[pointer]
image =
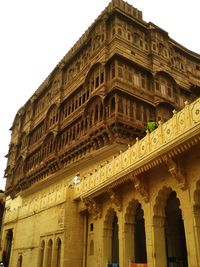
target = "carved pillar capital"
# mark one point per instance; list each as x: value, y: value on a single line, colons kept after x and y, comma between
x: 93, y: 208
x: 176, y: 171
x: 140, y: 187
x: 115, y: 199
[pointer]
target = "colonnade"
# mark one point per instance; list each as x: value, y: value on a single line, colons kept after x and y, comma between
x: 164, y: 232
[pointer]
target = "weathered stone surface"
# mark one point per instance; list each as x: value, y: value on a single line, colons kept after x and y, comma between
x: 87, y: 184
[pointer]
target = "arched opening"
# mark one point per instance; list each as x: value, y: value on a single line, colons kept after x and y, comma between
x: 169, y: 232
x: 49, y: 253
x: 111, y: 238
x: 41, y: 254
x: 8, y: 247
x: 58, y: 253
x: 135, y: 238
x: 140, y: 238
x: 115, y: 240
x: 196, y: 212
x: 175, y: 233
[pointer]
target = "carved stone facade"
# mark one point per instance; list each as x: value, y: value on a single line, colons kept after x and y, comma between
x: 83, y: 168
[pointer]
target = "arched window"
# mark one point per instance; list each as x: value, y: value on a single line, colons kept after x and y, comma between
x: 49, y: 253
x: 58, y: 252
x: 41, y: 254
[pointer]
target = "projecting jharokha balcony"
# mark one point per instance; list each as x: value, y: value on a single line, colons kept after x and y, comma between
x: 171, y: 138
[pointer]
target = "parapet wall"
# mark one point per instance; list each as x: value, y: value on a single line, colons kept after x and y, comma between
x: 168, y: 140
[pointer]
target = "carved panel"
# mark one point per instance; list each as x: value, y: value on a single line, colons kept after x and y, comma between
x: 93, y: 207
x: 115, y: 199
x: 176, y: 171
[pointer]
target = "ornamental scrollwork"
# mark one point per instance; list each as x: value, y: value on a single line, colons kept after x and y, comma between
x: 140, y: 187
x: 93, y: 208
x: 115, y: 199
x: 176, y: 171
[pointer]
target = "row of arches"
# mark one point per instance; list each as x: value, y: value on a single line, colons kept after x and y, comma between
x: 135, y: 234
x: 50, y: 253
x: 164, y: 233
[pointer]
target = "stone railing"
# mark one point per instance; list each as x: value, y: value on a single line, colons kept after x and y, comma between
x: 182, y: 124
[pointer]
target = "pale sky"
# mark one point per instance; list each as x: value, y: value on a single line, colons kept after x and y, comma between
x: 36, y: 34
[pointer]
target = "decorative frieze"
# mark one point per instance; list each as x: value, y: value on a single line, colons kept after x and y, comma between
x: 50, y: 197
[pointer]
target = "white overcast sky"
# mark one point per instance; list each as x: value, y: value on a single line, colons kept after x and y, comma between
x: 36, y: 34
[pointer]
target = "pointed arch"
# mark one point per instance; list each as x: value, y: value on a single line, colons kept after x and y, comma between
x: 169, y: 228
x: 135, y: 237
x: 52, y: 116
x: 111, y: 239
x: 49, y: 253
x: 94, y: 111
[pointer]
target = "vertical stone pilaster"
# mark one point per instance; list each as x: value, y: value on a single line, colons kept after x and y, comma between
x: 149, y: 235
x: 107, y: 245
x: 128, y: 244
x: 159, y: 246
x: 191, y: 234
x: 196, y: 217
x: 45, y: 259
x: 120, y: 236
x: 54, y: 255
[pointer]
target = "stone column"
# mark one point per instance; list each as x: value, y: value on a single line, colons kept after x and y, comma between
x: 120, y: 237
x: 128, y: 244
x: 159, y: 246
x: 196, y: 216
x: 116, y: 104
x: 191, y: 232
x: 107, y: 245
x: 40, y: 256
x: 149, y: 235
x: 54, y: 255
x: 45, y: 259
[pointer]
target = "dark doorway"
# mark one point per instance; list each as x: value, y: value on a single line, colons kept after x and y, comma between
x: 115, y: 240
x: 140, y: 238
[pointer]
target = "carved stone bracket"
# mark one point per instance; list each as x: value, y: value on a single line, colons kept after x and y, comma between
x: 115, y: 199
x: 140, y: 186
x: 93, y: 208
x: 176, y: 171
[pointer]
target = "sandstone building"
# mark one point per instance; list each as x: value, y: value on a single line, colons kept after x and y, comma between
x: 87, y: 184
